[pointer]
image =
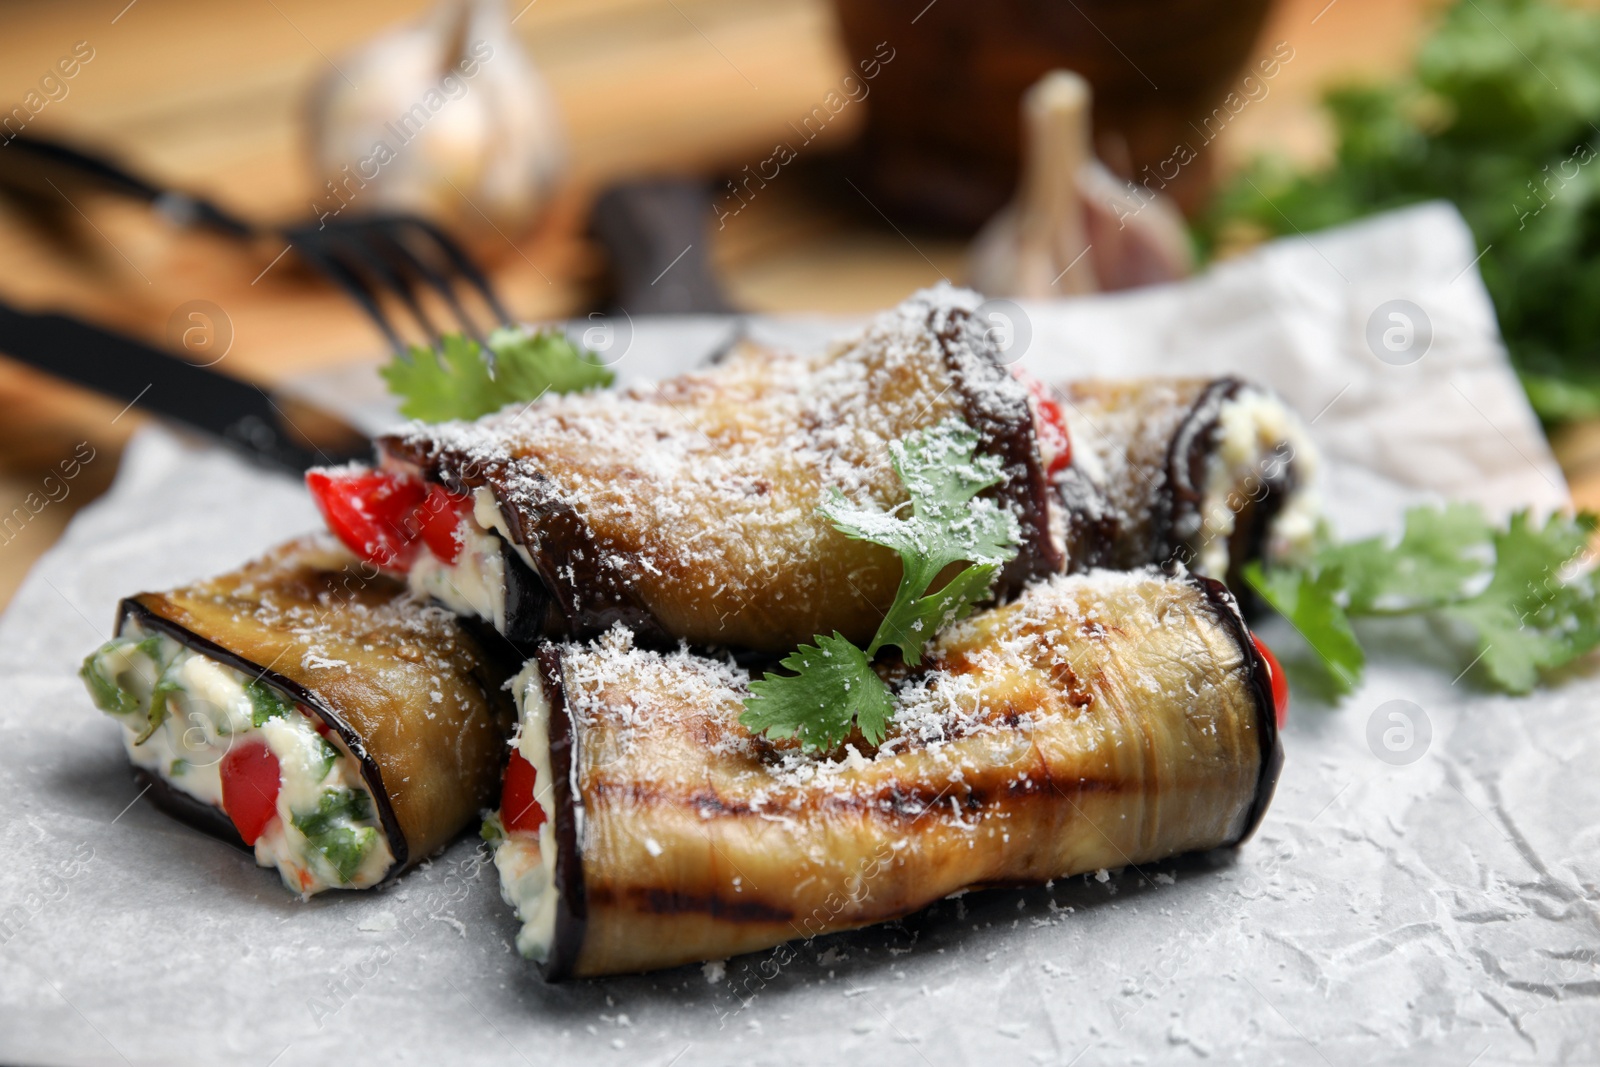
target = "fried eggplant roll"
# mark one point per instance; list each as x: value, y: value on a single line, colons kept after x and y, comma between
x: 309, y: 709
x: 1213, y: 472
x: 1097, y: 721
x: 688, y: 509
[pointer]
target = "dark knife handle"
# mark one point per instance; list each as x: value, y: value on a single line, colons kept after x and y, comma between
x: 656, y: 233
x: 235, y: 412
x: 29, y: 160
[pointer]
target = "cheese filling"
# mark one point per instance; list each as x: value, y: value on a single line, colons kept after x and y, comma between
x: 527, y: 861
x: 1258, y: 437
x: 183, y: 713
x: 475, y: 584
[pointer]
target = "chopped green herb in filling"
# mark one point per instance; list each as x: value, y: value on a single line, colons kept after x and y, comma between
x: 120, y: 672
x: 160, y: 706
x: 330, y: 755
x: 266, y: 703
x: 329, y: 831
x: 183, y: 713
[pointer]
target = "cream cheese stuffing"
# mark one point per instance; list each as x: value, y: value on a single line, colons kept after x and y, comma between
x: 526, y: 859
x: 194, y: 722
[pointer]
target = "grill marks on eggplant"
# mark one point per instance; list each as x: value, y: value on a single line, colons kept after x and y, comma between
x: 666, y: 902
x: 1098, y: 721
x: 995, y: 796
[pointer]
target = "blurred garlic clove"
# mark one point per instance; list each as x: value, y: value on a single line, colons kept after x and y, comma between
x: 1136, y: 238
x: 1037, y: 245
x: 1075, y: 227
x: 446, y: 118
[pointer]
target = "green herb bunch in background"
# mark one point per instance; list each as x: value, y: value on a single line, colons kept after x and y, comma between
x: 1501, y: 116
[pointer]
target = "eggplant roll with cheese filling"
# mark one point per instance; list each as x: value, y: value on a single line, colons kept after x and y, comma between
x: 1097, y: 721
x: 307, y: 708
x: 1213, y: 472
x: 688, y: 509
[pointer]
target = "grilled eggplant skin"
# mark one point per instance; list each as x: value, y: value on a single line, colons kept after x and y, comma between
x: 1138, y: 498
x: 1099, y: 721
x: 431, y: 765
x: 688, y: 509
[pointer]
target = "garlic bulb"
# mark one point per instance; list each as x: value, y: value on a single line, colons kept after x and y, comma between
x: 447, y: 118
x: 1075, y: 227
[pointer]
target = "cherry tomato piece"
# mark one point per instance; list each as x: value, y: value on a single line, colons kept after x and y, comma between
x: 518, y: 809
x: 1053, y: 428
x: 1280, y: 681
x: 440, y: 518
x: 250, y: 782
x: 1050, y: 423
x: 371, y: 512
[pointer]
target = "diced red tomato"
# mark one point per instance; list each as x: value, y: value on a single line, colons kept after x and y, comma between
x: 370, y: 511
x: 518, y: 809
x: 250, y: 782
x: 1280, y: 681
x: 1050, y: 422
x: 440, y: 519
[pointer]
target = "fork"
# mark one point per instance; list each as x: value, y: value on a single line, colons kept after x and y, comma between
x: 400, y: 255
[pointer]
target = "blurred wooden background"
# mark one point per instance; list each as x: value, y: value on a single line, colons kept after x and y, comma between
x: 210, y: 96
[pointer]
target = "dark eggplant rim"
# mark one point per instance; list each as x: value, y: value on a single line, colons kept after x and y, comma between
x: 572, y: 902
x: 1191, y: 446
x: 1013, y: 439
x: 188, y: 810
x: 1186, y: 471
x: 1259, y: 676
x: 132, y: 607
x: 584, y: 599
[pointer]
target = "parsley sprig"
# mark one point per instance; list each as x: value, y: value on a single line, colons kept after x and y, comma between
x: 457, y: 382
x: 1500, y: 116
x: 1517, y: 593
x: 832, y: 686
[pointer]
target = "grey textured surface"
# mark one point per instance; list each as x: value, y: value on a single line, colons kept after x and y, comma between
x: 1441, y: 911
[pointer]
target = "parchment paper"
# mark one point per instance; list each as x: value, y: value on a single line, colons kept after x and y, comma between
x: 1442, y: 910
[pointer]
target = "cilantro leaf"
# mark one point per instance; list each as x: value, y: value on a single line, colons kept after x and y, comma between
x: 911, y: 621
x: 1311, y: 604
x: 457, y: 382
x: 949, y: 523
x: 1437, y: 555
x: 1529, y: 617
x: 531, y: 362
x: 1530, y: 612
x: 833, y: 685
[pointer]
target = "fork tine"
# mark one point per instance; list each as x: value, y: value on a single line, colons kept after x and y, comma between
x: 389, y: 239
x: 462, y: 263
x: 312, y: 251
x: 364, y: 242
